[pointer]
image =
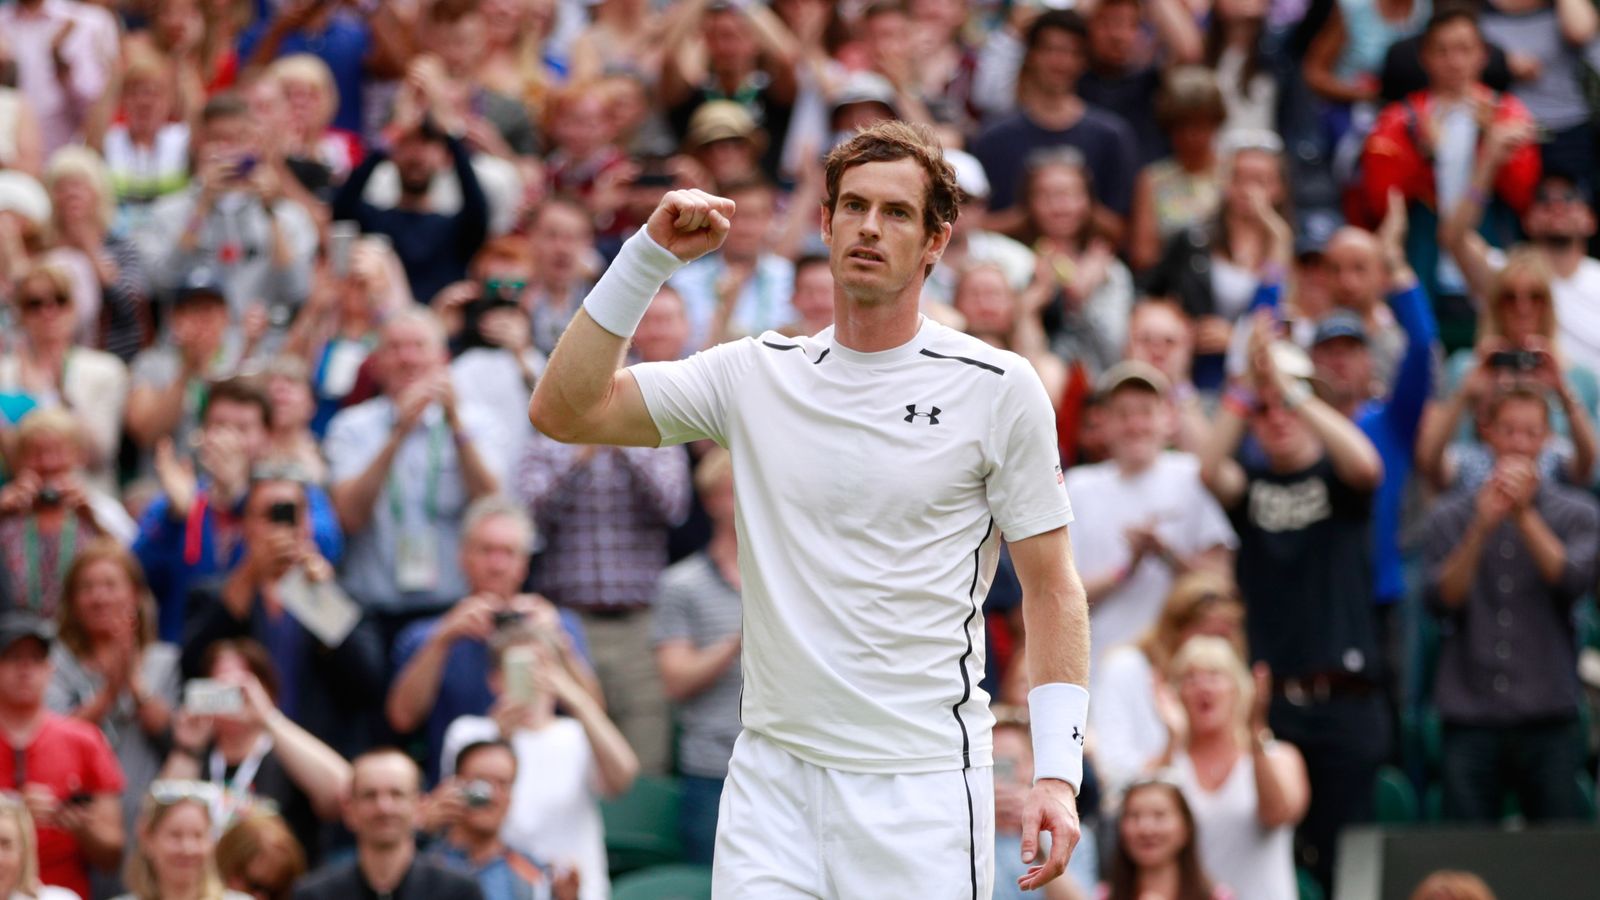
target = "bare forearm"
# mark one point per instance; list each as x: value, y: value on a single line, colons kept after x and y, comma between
x: 480, y: 480
x: 614, y: 759
x: 1057, y: 628
x: 1549, y: 554
x: 1275, y: 806
x: 417, y: 687
x: 101, y: 837
x: 1354, y: 458
x: 314, y: 767
x: 1438, y: 424
x: 580, y: 378
x: 1459, y: 569
x: 1581, y: 431
x: 686, y: 671
x: 153, y: 413
x: 354, y: 499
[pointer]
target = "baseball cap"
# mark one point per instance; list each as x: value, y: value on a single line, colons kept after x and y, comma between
x: 1341, y: 323
x: 201, y: 283
x: 22, y: 194
x: 1316, y: 229
x: 866, y: 87
x: 17, y: 624
x: 720, y: 120
x: 1131, y: 372
x: 970, y: 176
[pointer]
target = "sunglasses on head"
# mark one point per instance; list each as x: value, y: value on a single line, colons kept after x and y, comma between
x: 167, y: 792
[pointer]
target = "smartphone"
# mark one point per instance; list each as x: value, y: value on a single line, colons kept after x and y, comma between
x: 341, y: 240
x: 284, y: 514
x: 210, y: 697
x: 516, y: 667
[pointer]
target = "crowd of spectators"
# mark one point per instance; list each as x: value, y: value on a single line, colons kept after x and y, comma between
x: 294, y: 599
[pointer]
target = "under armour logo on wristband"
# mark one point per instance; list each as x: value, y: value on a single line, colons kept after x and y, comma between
x: 912, y: 414
x: 1077, y: 735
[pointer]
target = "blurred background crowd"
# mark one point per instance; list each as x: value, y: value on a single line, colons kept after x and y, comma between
x: 296, y: 600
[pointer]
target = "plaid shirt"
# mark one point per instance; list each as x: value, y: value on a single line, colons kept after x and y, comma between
x: 604, y: 522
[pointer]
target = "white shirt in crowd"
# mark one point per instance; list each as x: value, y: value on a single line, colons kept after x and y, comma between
x: 1577, y: 303
x: 555, y: 800
x: 1255, y: 863
x: 1127, y: 730
x: 873, y: 489
x: 1168, y: 496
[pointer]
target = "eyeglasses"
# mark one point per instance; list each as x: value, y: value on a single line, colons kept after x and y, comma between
x: 36, y: 303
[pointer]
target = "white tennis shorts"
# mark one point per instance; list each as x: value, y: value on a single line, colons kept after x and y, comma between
x: 788, y: 829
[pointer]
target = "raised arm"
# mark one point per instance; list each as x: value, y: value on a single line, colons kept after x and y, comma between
x: 1458, y: 231
x: 585, y: 397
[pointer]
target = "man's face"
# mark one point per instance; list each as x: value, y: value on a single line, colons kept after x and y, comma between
x: 259, y: 525
x: 888, y: 37
x: 728, y: 160
x: 1249, y: 172
x: 730, y: 49
x: 583, y: 126
x: 663, y: 333
x: 813, y: 293
x: 146, y: 101
x: 201, y: 324
x: 1137, y: 425
x: 497, y: 768
x: 24, y: 674
x: 1114, y: 35
x: 1559, y: 212
x: 1057, y: 61
x: 1279, y: 431
x: 1060, y: 204
x: 1454, y: 56
x: 383, y: 800
x: 494, y: 556
x: 1356, y: 271
x: 411, y: 353
x: 747, y: 233
x: 459, y: 43
x: 984, y: 300
x: 1158, y: 335
x: 243, y: 419
x: 877, y: 245
x: 417, y: 159
x: 230, y: 137
x: 560, y: 239
x: 1519, y: 429
x: 1346, y: 365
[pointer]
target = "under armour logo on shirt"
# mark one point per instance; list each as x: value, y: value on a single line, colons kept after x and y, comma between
x: 1077, y: 735
x: 912, y: 414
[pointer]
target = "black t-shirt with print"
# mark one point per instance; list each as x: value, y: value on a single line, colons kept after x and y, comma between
x: 1305, y: 569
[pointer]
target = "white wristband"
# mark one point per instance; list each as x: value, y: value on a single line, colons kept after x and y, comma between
x: 618, y: 301
x: 1058, y: 714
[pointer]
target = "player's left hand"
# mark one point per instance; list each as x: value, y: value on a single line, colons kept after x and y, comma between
x: 1053, y: 808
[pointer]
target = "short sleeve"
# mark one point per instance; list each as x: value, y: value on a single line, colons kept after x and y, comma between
x: 689, y: 399
x: 670, y: 618
x: 1026, y: 488
x: 347, y: 449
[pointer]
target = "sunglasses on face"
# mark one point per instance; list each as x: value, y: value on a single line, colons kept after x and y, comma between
x: 1538, y: 295
x: 36, y: 303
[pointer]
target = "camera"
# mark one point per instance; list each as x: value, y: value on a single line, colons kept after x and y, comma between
x: 283, y: 514
x: 507, y: 618
x: 48, y: 496
x: 477, y: 794
x: 495, y: 293
x: 1515, y: 360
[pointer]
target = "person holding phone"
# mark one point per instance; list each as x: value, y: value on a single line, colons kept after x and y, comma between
x: 282, y: 594
x: 233, y: 733
x: 566, y: 764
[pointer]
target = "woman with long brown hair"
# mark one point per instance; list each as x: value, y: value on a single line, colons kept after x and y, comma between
x: 1156, y: 857
x: 110, y: 670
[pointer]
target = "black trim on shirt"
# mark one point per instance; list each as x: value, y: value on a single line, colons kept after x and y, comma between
x: 968, y: 360
x: 972, y: 835
x: 780, y: 346
x: 821, y: 356
x: 966, y: 629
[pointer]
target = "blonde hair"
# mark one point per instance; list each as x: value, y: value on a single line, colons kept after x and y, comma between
x: 305, y: 68
x: 1214, y: 654
x: 1191, y: 597
x: 139, y: 876
x: 53, y: 274
x: 50, y: 422
x: 1523, y: 261
x: 1452, y: 885
x: 81, y: 162
x: 13, y: 809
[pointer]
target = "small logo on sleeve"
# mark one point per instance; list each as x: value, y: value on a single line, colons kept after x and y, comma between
x: 1061, y: 477
x: 932, y: 415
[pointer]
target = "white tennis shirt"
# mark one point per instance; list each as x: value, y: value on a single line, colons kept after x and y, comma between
x: 872, y: 493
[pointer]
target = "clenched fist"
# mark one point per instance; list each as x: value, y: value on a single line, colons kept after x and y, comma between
x: 690, y: 223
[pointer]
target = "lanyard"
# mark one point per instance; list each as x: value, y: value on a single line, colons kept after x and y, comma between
x: 67, y: 542
x: 234, y: 791
x: 430, y: 502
